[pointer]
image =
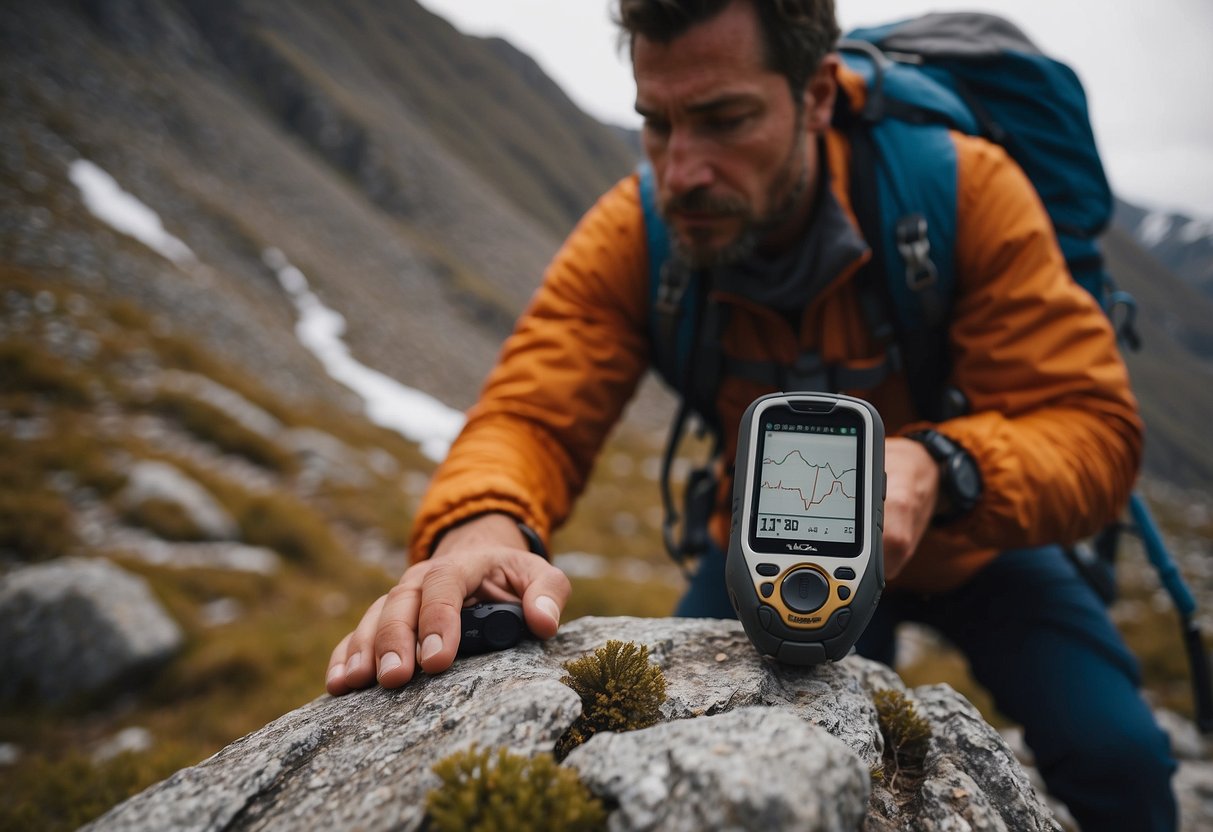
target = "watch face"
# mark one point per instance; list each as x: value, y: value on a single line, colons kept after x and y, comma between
x: 965, y: 480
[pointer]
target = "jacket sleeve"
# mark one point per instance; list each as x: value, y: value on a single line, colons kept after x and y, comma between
x: 559, y: 385
x: 1053, y: 426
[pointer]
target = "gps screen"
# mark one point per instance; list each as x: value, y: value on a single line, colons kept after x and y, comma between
x: 808, y: 483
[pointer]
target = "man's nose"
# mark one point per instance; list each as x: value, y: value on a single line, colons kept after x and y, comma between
x: 687, y: 166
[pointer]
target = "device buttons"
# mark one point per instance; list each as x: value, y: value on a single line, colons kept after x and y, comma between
x: 844, y: 573
x: 766, y: 616
x: 804, y: 590
x: 766, y: 589
x: 768, y: 570
x: 844, y: 592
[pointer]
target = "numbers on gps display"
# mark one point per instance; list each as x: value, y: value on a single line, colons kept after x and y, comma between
x: 775, y: 524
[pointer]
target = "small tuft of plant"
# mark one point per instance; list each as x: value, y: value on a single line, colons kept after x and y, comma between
x: 486, y: 792
x: 26, y: 369
x: 211, y: 424
x: 906, y: 735
x: 619, y: 689
x: 164, y: 518
x: 35, y: 524
x: 291, y: 527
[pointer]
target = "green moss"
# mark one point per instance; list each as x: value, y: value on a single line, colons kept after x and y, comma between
x: 907, y: 735
x: 483, y: 791
x: 619, y: 689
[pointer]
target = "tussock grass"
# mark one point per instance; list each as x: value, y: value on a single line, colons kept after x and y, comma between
x: 165, y: 519
x: 35, y: 525
x: 28, y: 371
x: 211, y: 424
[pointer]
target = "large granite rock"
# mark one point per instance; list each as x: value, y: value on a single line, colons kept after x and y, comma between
x: 744, y: 744
x: 74, y: 626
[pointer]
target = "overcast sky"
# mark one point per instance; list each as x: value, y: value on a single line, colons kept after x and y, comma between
x: 1147, y: 67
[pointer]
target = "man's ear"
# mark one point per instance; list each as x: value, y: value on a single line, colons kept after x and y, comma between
x: 819, y: 93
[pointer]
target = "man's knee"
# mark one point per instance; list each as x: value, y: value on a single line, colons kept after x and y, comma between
x: 1118, y: 777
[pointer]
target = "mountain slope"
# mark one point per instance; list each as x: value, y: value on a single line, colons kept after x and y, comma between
x: 1173, y: 372
x: 411, y: 172
x: 1182, y: 244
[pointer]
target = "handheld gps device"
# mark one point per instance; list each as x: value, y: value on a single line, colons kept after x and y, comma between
x: 805, y: 567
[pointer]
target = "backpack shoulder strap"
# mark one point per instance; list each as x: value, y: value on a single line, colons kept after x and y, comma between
x: 904, y: 193
x: 671, y: 323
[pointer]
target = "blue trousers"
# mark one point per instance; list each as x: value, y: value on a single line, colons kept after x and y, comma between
x: 1039, y: 639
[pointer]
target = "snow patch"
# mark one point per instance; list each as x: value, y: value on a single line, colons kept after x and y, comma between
x: 413, y: 414
x: 1154, y: 228
x: 1196, y: 230
x: 123, y: 212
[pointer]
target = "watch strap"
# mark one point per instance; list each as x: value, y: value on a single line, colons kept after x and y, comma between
x: 533, y: 541
x: 948, y: 455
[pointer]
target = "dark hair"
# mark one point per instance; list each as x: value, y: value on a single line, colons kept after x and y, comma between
x: 796, y: 34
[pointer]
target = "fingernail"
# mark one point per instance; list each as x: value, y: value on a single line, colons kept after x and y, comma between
x: 547, y: 606
x: 336, y: 672
x: 431, y: 646
x: 388, y: 662
x: 352, y: 663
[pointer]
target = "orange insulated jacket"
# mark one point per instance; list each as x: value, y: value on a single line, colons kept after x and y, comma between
x: 1053, y: 425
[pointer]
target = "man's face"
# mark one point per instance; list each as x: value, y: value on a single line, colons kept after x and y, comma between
x: 727, y: 140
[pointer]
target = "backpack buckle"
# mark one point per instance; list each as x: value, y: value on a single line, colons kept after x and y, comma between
x: 915, y: 250
x: 808, y: 372
x: 670, y: 289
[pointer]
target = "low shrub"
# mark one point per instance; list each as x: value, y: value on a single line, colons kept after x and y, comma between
x: 486, y: 792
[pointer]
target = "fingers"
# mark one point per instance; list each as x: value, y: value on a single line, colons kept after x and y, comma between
x: 383, y: 644
x: 438, y: 624
x: 334, y: 676
x: 350, y: 665
x: 547, y: 591
x: 418, y: 622
x: 395, y: 645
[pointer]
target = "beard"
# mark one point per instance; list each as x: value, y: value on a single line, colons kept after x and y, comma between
x: 784, y: 195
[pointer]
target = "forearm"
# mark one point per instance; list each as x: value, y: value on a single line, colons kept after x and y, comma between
x: 558, y: 388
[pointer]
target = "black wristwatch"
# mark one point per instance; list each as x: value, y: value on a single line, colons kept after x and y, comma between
x: 959, y: 477
x: 533, y: 541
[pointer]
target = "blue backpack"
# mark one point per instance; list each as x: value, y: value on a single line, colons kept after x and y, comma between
x: 974, y: 73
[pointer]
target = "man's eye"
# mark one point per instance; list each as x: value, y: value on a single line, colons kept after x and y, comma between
x: 656, y: 127
x: 726, y: 124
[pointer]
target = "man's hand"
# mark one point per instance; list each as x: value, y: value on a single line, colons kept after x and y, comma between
x: 417, y: 621
x: 910, y: 501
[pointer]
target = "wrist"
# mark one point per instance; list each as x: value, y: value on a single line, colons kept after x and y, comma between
x: 492, y: 528
x: 960, y: 483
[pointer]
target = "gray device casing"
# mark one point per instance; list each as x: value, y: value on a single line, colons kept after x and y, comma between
x: 761, y: 620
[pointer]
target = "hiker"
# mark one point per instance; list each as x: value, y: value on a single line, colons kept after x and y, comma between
x: 753, y: 180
